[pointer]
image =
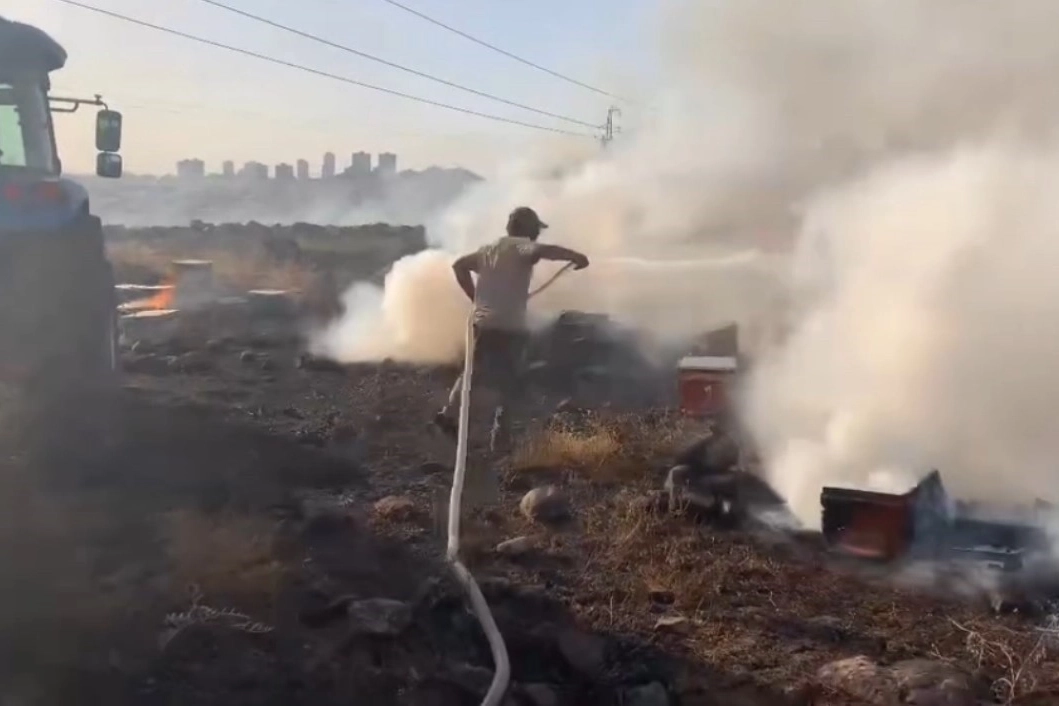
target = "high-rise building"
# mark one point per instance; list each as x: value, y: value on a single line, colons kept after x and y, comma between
x: 284, y: 172
x: 254, y: 170
x: 228, y: 168
x: 191, y: 169
x: 387, y: 163
x: 360, y: 164
x: 303, y: 169
x: 328, y: 171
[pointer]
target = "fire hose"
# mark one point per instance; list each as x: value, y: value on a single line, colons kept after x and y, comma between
x: 501, y: 663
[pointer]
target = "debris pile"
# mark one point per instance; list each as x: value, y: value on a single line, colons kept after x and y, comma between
x: 711, y: 481
x: 592, y: 359
x: 927, y: 524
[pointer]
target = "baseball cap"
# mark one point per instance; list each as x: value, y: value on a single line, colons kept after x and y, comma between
x: 526, y: 216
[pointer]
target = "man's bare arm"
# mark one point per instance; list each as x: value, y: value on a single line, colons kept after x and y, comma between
x: 561, y: 254
x: 463, y: 267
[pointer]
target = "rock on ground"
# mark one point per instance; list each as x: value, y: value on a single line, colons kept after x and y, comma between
x: 672, y: 623
x: 540, y: 694
x: 653, y: 694
x: 546, y: 505
x: 857, y: 676
x: 931, y: 683
x: 517, y: 546
x: 395, y: 507
x: 584, y: 652
x: 916, y: 682
x: 379, y: 616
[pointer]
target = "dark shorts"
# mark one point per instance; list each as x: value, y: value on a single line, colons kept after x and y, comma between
x: 499, y: 356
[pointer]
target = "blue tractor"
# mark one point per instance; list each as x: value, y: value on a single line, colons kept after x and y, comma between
x: 58, y: 326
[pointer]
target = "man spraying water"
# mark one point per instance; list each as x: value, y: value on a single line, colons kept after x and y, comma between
x: 500, y: 295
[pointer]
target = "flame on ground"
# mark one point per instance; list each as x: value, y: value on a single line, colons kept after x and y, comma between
x: 162, y: 300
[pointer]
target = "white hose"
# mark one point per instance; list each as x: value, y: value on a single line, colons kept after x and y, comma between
x: 501, y: 663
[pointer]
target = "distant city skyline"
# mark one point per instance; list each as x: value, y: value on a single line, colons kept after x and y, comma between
x: 360, y: 164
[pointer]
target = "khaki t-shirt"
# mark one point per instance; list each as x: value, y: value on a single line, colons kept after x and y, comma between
x: 504, y: 269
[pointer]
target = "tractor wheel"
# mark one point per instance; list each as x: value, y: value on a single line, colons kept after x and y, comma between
x: 71, y: 411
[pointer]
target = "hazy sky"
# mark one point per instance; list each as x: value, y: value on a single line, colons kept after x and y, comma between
x: 184, y: 99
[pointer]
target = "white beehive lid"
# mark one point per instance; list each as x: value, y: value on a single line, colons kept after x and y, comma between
x: 149, y: 314
x: 708, y: 363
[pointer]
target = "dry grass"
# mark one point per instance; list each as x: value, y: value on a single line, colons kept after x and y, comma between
x: 1022, y: 665
x: 760, y: 611
x: 744, y: 604
x: 622, y: 448
x: 238, y: 270
x: 225, y: 558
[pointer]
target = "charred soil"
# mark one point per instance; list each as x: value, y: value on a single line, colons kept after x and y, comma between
x: 263, y: 530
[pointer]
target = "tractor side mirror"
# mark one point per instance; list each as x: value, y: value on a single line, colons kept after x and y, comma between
x: 108, y: 165
x: 108, y: 131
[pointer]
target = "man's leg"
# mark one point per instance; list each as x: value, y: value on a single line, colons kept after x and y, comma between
x: 447, y: 418
x: 509, y: 385
x: 483, y: 482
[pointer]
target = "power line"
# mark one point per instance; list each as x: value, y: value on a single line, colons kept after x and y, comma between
x: 506, y: 53
x: 123, y: 101
x: 391, y: 64
x: 318, y: 72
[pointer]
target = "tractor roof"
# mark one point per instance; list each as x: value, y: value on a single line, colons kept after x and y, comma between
x: 26, y: 48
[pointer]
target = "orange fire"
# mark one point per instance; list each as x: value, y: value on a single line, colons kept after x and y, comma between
x: 159, y: 301
x: 162, y: 300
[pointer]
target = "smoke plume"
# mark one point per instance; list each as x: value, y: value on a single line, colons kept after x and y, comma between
x: 904, y: 147
x: 930, y: 334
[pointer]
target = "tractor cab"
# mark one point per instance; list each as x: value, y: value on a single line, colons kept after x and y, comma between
x: 57, y: 302
x: 33, y: 194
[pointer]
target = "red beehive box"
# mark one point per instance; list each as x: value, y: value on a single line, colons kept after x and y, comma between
x: 703, y: 383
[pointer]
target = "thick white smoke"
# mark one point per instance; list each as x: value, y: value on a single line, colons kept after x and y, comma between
x: 908, y: 146
x: 377, y: 325
x: 932, y: 334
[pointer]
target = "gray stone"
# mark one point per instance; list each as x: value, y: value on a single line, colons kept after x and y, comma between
x: 926, y: 682
x: 546, y: 505
x: 518, y: 546
x: 472, y: 677
x: 148, y: 364
x: 827, y: 627
x: 308, y: 361
x: 653, y: 694
x: 859, y: 677
x: 584, y: 652
x: 193, y: 362
x: 379, y: 616
x: 395, y: 508
x: 540, y: 694
x: 920, y: 682
x: 672, y: 623
x: 432, y: 468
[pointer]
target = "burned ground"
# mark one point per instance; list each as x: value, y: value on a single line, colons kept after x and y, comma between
x: 255, y: 255
x: 263, y: 531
